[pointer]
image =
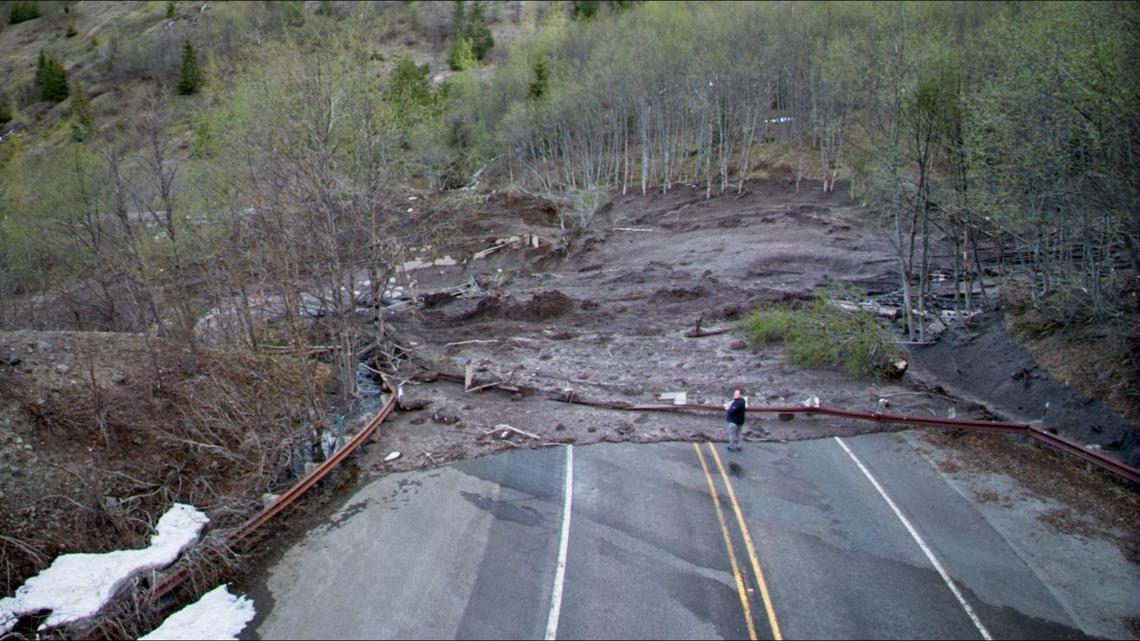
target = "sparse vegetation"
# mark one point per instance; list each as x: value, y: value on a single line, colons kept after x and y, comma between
x: 82, y: 114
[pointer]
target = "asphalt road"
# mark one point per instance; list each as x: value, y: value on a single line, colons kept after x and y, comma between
x: 833, y: 538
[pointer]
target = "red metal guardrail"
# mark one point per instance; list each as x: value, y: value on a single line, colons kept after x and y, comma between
x: 1060, y: 443
x: 1038, y: 434
x: 174, y: 579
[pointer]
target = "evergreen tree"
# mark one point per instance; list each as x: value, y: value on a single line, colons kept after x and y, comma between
x: 481, y: 39
x: 52, y: 79
x: 541, y: 83
x: 412, y: 100
x: 82, y: 115
x: 190, y: 79
x: 294, y: 13
x: 409, y: 87
x: 473, y: 27
x: 585, y: 9
x: 170, y: 10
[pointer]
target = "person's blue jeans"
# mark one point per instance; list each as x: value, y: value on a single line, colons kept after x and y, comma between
x: 734, y: 435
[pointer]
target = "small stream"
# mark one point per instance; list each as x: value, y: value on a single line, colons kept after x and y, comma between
x: 322, y: 442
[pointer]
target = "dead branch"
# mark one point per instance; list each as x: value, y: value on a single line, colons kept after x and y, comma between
x: 504, y: 426
x: 697, y: 332
x: 26, y: 548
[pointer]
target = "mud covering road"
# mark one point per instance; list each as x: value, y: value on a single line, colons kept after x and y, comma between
x: 607, y: 316
x: 603, y: 314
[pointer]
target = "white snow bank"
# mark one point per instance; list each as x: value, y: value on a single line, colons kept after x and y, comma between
x: 76, y: 586
x: 217, y: 615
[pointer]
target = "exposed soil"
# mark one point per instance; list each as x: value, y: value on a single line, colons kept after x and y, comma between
x: 605, y: 315
x: 983, y: 362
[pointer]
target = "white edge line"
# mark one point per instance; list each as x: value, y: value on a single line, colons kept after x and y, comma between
x: 1064, y: 603
x: 563, y: 546
x: 922, y: 544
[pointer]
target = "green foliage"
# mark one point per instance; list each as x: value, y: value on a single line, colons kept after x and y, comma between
x: 191, y: 78
x: 326, y: 9
x: 293, y: 11
x: 82, y: 114
x: 462, y: 56
x: 822, y: 334
x: 5, y: 111
x: 585, y: 9
x: 408, y: 86
x: 473, y: 27
x: 171, y: 10
x: 51, y: 78
x: 23, y: 11
x: 71, y: 32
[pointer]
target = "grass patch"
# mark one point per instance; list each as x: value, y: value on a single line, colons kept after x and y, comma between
x: 820, y: 335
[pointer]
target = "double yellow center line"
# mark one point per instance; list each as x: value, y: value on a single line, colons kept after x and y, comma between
x: 757, y: 572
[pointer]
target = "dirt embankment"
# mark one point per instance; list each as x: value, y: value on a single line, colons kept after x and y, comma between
x: 100, y: 434
x: 984, y: 363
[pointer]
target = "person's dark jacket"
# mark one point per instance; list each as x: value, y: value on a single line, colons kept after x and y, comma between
x: 736, y: 411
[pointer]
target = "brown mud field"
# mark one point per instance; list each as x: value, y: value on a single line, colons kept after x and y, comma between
x: 606, y: 316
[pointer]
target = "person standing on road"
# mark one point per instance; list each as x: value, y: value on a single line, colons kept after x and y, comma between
x: 735, y: 414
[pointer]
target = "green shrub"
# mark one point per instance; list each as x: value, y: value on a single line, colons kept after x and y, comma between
x: 23, y: 11
x: 768, y: 325
x: 821, y: 335
x: 82, y: 114
x: 462, y: 56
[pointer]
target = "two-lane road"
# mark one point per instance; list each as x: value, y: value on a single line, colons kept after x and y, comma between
x: 851, y: 538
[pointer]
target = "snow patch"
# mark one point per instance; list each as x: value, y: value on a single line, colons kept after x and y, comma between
x: 76, y: 586
x: 219, y: 614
